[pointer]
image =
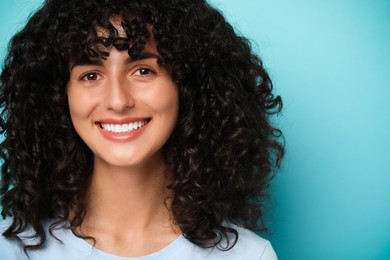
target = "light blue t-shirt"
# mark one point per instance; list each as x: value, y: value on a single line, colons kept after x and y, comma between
x: 248, y: 247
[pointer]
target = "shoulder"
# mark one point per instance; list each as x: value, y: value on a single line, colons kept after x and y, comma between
x: 249, y: 246
x: 9, y: 248
x: 253, y: 246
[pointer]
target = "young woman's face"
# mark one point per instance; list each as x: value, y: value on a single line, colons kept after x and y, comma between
x: 124, y: 110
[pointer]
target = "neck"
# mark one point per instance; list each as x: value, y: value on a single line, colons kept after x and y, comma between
x: 128, y: 202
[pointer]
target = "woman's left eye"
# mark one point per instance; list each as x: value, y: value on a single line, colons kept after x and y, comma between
x: 143, y: 72
x: 90, y: 76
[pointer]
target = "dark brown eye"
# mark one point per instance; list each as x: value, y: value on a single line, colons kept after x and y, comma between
x: 90, y: 77
x: 143, y: 72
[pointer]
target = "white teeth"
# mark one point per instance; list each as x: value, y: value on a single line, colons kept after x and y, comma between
x: 123, y: 128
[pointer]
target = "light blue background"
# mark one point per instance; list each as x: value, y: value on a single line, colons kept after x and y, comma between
x: 330, y: 60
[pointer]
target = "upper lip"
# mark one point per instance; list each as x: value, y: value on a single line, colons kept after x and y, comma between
x: 122, y: 120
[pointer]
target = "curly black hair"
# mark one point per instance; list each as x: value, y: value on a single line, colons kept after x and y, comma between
x: 223, y: 152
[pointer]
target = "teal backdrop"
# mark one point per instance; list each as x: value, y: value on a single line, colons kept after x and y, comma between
x: 330, y: 61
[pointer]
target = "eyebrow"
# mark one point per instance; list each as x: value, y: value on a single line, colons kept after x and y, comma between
x: 87, y: 62
x: 99, y: 62
x: 144, y: 56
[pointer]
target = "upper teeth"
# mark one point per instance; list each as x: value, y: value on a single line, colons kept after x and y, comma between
x: 122, y: 128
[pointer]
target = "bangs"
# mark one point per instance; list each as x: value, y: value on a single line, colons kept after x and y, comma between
x: 122, y: 31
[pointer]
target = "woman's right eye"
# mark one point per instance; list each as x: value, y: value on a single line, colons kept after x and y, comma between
x: 90, y: 76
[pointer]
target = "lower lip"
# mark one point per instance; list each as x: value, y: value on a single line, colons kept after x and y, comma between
x: 122, y: 137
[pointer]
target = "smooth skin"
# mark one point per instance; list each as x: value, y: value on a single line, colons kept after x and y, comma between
x: 127, y: 206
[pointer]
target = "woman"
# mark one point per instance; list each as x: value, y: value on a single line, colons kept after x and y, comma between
x: 134, y: 129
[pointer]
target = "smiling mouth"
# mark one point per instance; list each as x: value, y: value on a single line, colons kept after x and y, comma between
x: 124, y: 128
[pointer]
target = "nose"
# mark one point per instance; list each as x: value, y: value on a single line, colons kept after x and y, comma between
x: 118, y: 96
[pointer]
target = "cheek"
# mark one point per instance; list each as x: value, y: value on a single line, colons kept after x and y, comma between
x: 80, y: 112
x: 80, y: 105
x: 165, y: 100
x: 75, y: 108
